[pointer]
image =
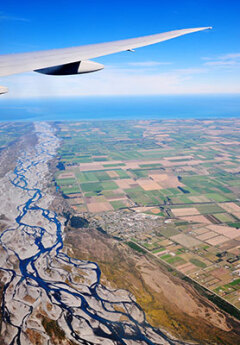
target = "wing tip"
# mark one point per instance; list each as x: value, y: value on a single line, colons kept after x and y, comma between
x: 196, y: 29
x: 204, y: 28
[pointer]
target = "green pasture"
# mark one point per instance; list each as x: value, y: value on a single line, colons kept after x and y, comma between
x: 66, y: 181
x: 70, y: 190
x: 176, y: 261
x: 209, y: 209
x: 198, y: 263
x: 117, y: 204
x: 158, y: 250
x: 98, y: 186
x: 224, y: 217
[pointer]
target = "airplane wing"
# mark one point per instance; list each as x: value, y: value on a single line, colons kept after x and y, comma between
x: 3, y: 90
x: 76, y: 60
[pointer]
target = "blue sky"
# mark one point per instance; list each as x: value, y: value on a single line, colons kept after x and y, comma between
x: 204, y: 62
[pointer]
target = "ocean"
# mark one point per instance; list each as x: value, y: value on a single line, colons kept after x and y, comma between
x: 120, y: 108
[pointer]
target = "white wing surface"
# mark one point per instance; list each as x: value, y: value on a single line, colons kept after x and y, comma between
x: 44, y: 61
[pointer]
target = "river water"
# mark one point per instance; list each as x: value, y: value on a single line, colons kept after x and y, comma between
x: 42, y: 282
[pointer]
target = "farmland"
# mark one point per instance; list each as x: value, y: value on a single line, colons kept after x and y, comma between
x: 10, y: 132
x: 172, y: 187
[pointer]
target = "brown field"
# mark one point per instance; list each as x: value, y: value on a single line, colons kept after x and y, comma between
x: 213, y: 282
x: 112, y: 162
x: 96, y: 207
x: 142, y: 209
x: 159, y: 136
x: 76, y: 195
x: 198, y: 198
x: 158, y: 177
x: 112, y: 174
x: 177, y: 157
x: 155, y: 210
x: 185, y: 240
x: 232, y: 246
x: 195, y: 162
x: 231, y: 207
x: 66, y: 175
x: 191, y: 211
x: 187, y: 168
x: 232, y: 170
x: 156, y: 161
x: 128, y: 202
x: 217, y: 240
x: 162, y: 253
x: 230, y: 143
x: 191, y: 163
x: 166, y: 181
x: 220, y: 272
x: 79, y: 208
x: 134, y: 185
x: 166, y: 242
x: 198, y: 219
x: 100, y: 198
x: 75, y: 201
x: 172, y: 183
x: 125, y: 183
x: 103, y: 157
x: 207, y: 236
x: 228, y: 163
x: 171, y: 164
x: 225, y: 230
x: 118, y: 191
x: 237, y: 214
x: 188, y: 267
x: 131, y: 165
x: 200, y: 231
x: 91, y: 166
x: 147, y: 184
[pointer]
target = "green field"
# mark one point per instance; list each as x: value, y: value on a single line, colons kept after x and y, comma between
x: 198, y: 263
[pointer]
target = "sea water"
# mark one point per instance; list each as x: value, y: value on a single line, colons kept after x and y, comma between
x: 120, y: 108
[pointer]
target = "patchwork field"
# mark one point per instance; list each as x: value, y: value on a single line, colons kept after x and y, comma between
x: 179, y: 178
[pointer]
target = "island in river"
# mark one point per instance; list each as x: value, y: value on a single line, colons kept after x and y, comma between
x: 71, y: 270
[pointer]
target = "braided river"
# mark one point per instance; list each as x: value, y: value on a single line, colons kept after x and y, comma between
x: 42, y: 282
